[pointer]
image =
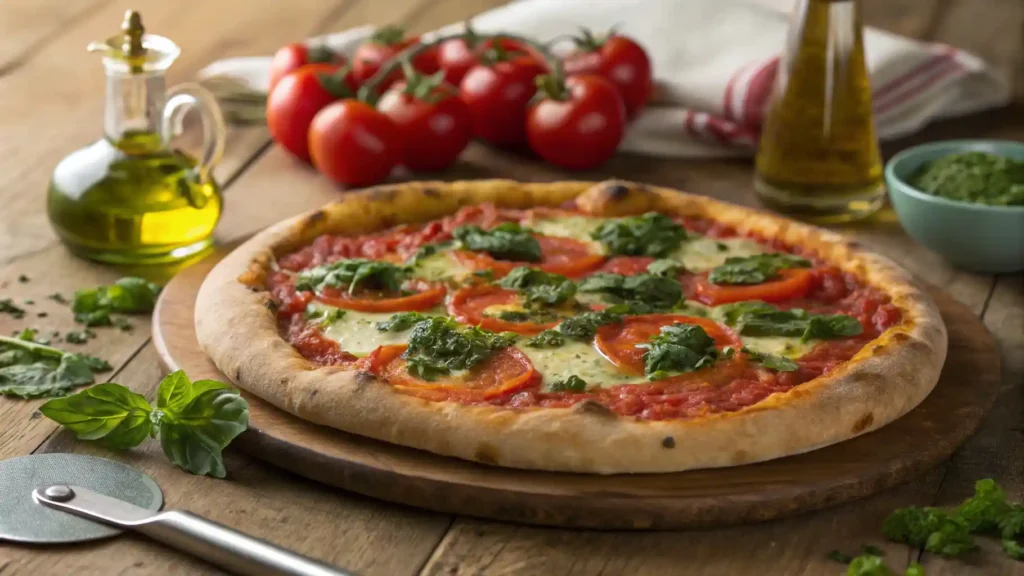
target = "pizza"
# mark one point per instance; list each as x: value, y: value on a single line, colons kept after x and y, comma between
x: 570, y: 326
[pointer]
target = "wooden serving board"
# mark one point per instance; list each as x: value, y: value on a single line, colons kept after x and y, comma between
x: 832, y: 475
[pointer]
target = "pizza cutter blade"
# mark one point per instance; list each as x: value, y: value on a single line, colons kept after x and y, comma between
x: 63, y: 498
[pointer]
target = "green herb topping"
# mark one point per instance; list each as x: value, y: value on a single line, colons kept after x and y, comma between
x: 650, y: 234
x: 400, y: 322
x: 508, y: 241
x: 583, y: 326
x: 348, y: 275
x: 663, y: 267
x: 546, y: 339
x: 29, y: 369
x: 194, y: 420
x: 539, y: 288
x: 761, y: 319
x: 571, y: 384
x: 323, y: 316
x: 439, y: 345
x: 129, y: 295
x: 976, y: 177
x: 649, y: 291
x: 678, y: 348
x: 755, y: 269
x: 772, y: 362
x: 428, y: 250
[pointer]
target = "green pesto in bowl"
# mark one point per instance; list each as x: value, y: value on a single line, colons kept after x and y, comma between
x: 976, y: 177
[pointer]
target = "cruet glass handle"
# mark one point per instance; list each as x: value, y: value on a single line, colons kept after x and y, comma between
x: 183, y: 98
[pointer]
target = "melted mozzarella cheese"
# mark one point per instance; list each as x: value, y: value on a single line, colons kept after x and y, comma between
x: 580, y: 359
x: 701, y: 253
x: 440, y: 266
x: 575, y: 227
x: 356, y: 332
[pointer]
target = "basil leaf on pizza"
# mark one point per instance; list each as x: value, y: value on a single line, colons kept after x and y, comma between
x: 508, y: 241
x: 678, y: 348
x: 653, y: 291
x: 437, y: 346
x: 584, y: 326
x: 539, y: 288
x: 571, y: 384
x: 401, y: 322
x: 323, y: 316
x: 771, y: 361
x: 762, y: 319
x: 755, y: 269
x: 547, y: 339
x: 665, y: 267
x: 826, y: 326
x: 650, y: 234
x: 350, y: 274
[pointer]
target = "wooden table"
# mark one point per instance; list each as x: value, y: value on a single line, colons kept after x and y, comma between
x: 51, y: 95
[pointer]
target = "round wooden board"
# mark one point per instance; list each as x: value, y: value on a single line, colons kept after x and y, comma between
x: 832, y: 475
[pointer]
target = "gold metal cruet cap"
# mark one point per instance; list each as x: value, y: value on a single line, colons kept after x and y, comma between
x: 133, y: 51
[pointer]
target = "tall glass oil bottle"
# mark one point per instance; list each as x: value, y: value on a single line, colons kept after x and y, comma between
x: 129, y: 198
x: 818, y: 158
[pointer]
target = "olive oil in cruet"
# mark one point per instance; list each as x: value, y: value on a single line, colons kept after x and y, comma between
x: 818, y: 158
x: 129, y: 198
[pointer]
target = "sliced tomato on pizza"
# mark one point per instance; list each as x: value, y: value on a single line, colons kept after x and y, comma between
x: 565, y: 256
x: 503, y: 372
x: 422, y: 296
x: 618, y: 342
x: 496, y: 309
x: 792, y: 283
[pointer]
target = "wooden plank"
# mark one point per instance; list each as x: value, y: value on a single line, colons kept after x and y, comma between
x: 27, y: 25
x: 997, y: 450
x: 362, y: 535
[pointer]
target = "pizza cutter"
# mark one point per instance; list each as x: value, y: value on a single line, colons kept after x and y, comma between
x: 65, y: 498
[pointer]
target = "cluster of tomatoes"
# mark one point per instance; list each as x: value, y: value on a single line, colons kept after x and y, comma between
x: 402, y: 102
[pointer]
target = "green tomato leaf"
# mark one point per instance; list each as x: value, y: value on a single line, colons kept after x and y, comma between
x: 197, y: 421
x: 110, y: 413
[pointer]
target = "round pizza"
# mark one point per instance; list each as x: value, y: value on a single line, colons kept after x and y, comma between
x: 582, y: 327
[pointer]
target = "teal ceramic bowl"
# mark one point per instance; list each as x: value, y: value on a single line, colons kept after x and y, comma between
x: 974, y: 237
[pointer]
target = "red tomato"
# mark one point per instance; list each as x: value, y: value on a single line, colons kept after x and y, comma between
x: 618, y: 341
x: 297, y: 99
x: 792, y: 283
x: 563, y: 256
x: 426, y: 296
x: 580, y: 131
x: 458, y: 55
x: 627, y: 265
x: 467, y: 305
x: 353, y: 144
x: 619, y: 59
x: 296, y: 55
x: 373, y: 54
x: 435, y: 129
x: 504, y: 371
x: 497, y: 95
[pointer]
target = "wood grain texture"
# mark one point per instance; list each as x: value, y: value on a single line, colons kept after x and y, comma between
x: 768, y: 490
x: 329, y: 525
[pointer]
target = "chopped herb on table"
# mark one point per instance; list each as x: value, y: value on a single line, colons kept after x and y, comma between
x: 130, y: 295
x: 195, y: 421
x: 58, y: 298
x: 650, y: 234
x: 348, y: 275
x: 29, y: 369
x: 508, y: 241
x: 976, y: 177
x: 7, y: 306
x: 439, y: 345
x: 755, y: 269
x: 23, y: 278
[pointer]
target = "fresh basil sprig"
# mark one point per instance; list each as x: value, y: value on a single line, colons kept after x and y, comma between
x: 129, y: 295
x: 650, y: 234
x: 194, y: 420
x: 29, y: 369
x: 678, y: 348
x: 508, y: 241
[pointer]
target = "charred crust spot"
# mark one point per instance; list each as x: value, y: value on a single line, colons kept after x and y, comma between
x: 668, y: 442
x: 616, y: 190
x: 590, y: 406
x: 363, y: 379
x: 900, y: 337
x: 315, y: 218
x: 313, y: 392
x: 431, y: 192
x: 486, y: 453
x: 863, y: 423
x: 238, y: 374
x: 877, y: 348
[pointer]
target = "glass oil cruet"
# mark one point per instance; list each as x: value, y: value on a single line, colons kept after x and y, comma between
x: 818, y: 158
x: 129, y: 198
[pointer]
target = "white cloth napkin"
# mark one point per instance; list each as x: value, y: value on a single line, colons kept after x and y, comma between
x: 714, y: 63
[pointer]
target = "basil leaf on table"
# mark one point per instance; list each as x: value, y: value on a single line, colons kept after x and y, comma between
x: 92, y: 307
x: 109, y: 413
x: 650, y: 234
x: 755, y: 269
x: 197, y: 420
x: 29, y: 369
x: 508, y: 241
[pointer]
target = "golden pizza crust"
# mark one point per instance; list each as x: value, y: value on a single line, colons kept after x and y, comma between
x: 883, y: 381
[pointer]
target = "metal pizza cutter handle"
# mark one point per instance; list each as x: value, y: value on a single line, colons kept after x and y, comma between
x: 213, y: 542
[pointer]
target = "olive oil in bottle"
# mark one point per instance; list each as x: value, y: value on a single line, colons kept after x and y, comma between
x: 818, y: 158
x: 128, y: 198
